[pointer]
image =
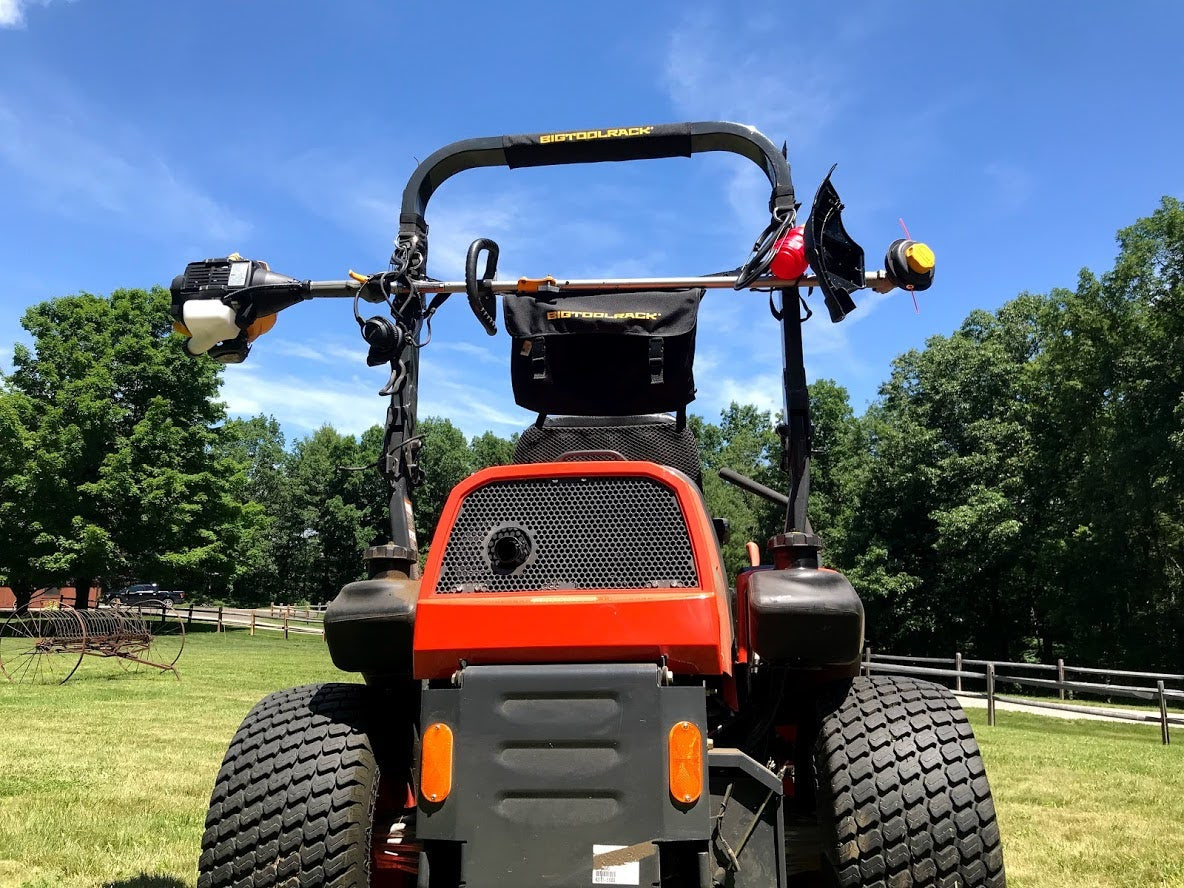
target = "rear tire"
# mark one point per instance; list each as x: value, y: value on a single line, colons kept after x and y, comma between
x: 903, y: 798
x: 294, y: 801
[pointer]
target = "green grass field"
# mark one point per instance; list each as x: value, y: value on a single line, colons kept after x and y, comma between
x: 105, y: 779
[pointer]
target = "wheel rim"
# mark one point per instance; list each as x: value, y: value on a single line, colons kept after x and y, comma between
x: 42, y: 646
x: 156, y: 637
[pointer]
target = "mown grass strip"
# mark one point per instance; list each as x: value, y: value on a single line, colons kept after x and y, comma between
x: 105, y: 780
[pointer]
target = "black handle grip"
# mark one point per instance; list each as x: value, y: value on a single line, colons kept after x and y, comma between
x: 594, y: 146
x: 492, y: 251
x: 481, y: 298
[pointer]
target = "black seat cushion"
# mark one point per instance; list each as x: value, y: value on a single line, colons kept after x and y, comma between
x: 653, y: 438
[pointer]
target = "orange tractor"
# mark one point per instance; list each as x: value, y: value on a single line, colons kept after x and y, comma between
x: 569, y: 692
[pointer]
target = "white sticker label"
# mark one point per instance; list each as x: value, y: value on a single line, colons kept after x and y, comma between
x: 624, y: 874
x: 238, y: 274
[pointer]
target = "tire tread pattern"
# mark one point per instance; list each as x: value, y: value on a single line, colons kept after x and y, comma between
x: 293, y: 801
x: 902, y: 790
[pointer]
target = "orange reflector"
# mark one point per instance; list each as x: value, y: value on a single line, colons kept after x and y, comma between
x: 686, y: 763
x: 435, y: 771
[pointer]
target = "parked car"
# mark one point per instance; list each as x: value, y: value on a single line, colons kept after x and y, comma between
x: 138, y: 593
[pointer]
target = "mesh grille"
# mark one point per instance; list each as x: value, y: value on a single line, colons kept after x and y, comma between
x: 588, y: 533
x: 661, y: 442
x: 205, y: 274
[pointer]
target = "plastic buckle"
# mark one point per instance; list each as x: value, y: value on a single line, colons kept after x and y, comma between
x: 657, y: 360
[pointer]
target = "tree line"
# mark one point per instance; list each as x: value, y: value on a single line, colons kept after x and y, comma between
x: 1016, y: 489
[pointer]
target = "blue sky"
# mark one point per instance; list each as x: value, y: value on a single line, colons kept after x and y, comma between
x: 135, y: 135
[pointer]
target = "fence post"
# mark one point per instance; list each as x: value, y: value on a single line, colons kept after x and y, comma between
x: 252, y: 621
x: 991, y: 694
x: 219, y: 618
x: 286, y: 624
x: 271, y: 609
x: 958, y: 669
x: 307, y: 613
x: 1163, y: 713
x: 867, y: 659
x: 189, y: 621
x: 1061, y: 677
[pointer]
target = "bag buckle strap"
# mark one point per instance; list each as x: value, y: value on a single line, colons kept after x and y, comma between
x: 657, y: 360
x: 538, y: 358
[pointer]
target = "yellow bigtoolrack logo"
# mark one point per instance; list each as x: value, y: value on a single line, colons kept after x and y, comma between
x: 604, y: 315
x: 587, y: 135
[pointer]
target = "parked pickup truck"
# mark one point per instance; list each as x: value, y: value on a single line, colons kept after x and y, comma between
x: 137, y: 593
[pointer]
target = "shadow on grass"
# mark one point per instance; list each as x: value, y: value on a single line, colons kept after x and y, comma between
x: 143, y: 880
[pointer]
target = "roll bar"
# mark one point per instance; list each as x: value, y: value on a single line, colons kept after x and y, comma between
x: 594, y: 146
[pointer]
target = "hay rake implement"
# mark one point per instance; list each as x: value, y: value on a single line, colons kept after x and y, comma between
x: 46, y: 645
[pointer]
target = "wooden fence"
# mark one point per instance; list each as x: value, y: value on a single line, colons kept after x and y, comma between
x: 275, y: 618
x: 958, y: 670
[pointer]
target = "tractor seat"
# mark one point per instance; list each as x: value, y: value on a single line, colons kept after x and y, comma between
x: 654, y: 437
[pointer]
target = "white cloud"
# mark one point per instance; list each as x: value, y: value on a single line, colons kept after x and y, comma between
x: 12, y: 12
x: 323, y: 353
x: 745, y: 88
x: 579, y: 232
x: 469, y: 349
x: 302, y: 402
x: 349, y: 400
x: 76, y: 165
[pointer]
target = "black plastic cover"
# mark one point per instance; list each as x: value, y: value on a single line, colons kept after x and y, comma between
x: 805, y: 617
x: 833, y: 254
x: 370, y: 624
x: 610, y: 354
x: 550, y: 761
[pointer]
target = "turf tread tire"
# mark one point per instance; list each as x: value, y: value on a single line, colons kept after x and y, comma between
x: 294, y: 800
x: 902, y: 793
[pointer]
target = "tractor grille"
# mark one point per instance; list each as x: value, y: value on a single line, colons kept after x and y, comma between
x: 583, y: 533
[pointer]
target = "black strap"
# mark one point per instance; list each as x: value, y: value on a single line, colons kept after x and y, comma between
x: 538, y: 357
x: 657, y: 360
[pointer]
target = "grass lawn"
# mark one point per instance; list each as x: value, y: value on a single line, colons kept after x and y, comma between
x: 105, y: 779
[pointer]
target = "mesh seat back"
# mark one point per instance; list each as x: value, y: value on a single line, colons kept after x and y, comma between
x: 653, y: 438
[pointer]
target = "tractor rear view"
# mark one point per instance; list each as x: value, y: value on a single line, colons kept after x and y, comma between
x: 569, y: 693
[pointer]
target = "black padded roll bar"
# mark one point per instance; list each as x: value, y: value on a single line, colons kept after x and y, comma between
x: 594, y: 146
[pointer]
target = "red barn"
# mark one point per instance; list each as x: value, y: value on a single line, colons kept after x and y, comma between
x: 56, y: 594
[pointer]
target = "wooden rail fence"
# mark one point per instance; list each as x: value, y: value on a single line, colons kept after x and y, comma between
x: 1162, y: 688
x: 276, y: 618
x: 957, y: 670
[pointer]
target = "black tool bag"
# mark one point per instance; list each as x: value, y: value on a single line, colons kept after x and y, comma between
x: 603, y: 354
